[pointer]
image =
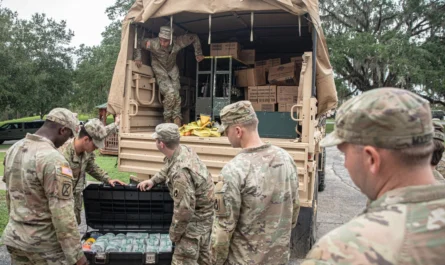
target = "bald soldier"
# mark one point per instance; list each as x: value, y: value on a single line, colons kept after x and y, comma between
x: 163, y: 63
x: 257, y: 202
x: 42, y: 227
x: 191, y: 187
x: 386, y: 136
x: 79, y: 152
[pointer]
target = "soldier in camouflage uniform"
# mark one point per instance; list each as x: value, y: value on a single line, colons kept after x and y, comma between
x: 439, y: 148
x: 386, y: 136
x: 191, y: 187
x: 163, y: 63
x: 256, y: 202
x: 42, y: 228
x: 79, y: 152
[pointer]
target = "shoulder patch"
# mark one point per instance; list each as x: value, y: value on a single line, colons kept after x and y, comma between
x: 67, y: 171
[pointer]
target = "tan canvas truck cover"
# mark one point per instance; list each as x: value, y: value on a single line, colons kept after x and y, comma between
x: 143, y: 10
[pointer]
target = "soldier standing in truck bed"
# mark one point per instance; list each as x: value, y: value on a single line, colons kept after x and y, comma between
x: 191, y: 187
x: 163, y: 63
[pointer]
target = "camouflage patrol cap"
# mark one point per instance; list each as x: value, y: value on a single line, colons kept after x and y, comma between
x: 165, y: 32
x: 166, y: 132
x: 236, y: 113
x: 389, y: 118
x: 438, y: 130
x: 65, y: 118
x: 97, y: 131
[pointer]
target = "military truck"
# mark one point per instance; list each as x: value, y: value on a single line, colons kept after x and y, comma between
x: 275, y: 29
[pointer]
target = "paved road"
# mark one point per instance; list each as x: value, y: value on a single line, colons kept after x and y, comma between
x: 337, y: 204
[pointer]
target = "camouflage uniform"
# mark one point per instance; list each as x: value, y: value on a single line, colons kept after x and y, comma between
x: 42, y: 228
x: 439, y: 137
x: 191, y: 187
x: 86, y: 162
x: 405, y: 225
x: 163, y: 63
x: 440, y: 168
x: 257, y: 202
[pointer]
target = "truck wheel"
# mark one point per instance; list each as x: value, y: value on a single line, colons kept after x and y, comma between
x: 321, y: 172
x: 304, y: 234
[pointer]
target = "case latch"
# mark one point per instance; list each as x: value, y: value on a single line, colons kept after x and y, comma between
x: 101, y: 258
x: 150, y: 258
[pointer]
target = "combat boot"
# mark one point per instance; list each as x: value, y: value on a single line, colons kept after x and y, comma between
x: 178, y: 121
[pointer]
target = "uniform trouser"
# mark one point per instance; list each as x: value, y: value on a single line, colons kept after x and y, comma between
x: 192, y: 250
x: 78, y: 202
x: 169, y: 86
x: 20, y: 257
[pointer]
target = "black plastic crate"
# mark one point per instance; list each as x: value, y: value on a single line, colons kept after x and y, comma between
x: 123, y: 209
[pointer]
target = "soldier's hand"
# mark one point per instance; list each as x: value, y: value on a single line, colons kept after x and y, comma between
x: 146, y: 185
x: 199, y: 58
x: 138, y: 63
x: 117, y: 120
x: 82, y: 261
x: 113, y: 181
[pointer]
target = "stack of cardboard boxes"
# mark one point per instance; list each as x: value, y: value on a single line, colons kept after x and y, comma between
x: 278, y: 92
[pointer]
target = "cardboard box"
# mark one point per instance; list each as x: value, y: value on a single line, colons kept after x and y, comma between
x: 267, y: 64
x: 287, y: 94
x: 269, y: 107
x: 250, y: 77
x: 225, y: 49
x: 285, y: 74
x: 262, y: 94
x: 285, y: 107
x: 247, y: 56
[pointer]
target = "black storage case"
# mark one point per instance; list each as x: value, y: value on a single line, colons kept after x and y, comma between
x: 123, y: 209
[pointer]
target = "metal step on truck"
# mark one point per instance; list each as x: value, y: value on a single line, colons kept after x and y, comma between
x: 274, y: 29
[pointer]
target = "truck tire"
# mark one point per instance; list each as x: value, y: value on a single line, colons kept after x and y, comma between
x: 304, y: 234
x: 321, y: 172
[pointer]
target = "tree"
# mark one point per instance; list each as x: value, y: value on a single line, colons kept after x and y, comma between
x: 377, y: 43
x: 40, y: 56
x: 95, y: 65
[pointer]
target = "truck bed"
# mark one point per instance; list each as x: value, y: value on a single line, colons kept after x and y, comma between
x: 138, y: 154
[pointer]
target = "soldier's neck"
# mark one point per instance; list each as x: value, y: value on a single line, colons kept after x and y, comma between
x: 252, y: 140
x: 78, y: 148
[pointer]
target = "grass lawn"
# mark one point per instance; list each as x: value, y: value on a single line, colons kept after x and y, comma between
x: 2, y: 157
x: 81, y: 117
x: 108, y: 163
x: 3, y: 212
x: 329, y: 128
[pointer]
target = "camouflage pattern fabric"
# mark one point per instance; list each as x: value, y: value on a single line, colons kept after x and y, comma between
x: 39, y: 185
x: 404, y: 226
x: 438, y: 177
x: 256, y: 207
x: 111, y: 128
x: 54, y: 257
x: 236, y: 113
x: 441, y: 167
x: 85, y: 163
x: 166, y: 71
x: 97, y: 131
x: 166, y: 132
x: 191, y: 187
x: 355, y: 121
x: 64, y: 117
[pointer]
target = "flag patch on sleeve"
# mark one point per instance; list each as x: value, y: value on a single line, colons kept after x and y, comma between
x: 67, y: 171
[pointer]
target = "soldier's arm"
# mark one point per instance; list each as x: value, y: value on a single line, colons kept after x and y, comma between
x: 227, y: 210
x: 184, y: 204
x: 111, y: 128
x: 58, y: 186
x: 95, y: 171
x: 161, y: 176
x: 8, y: 202
x: 187, y: 39
x: 295, y: 196
x: 142, y: 44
